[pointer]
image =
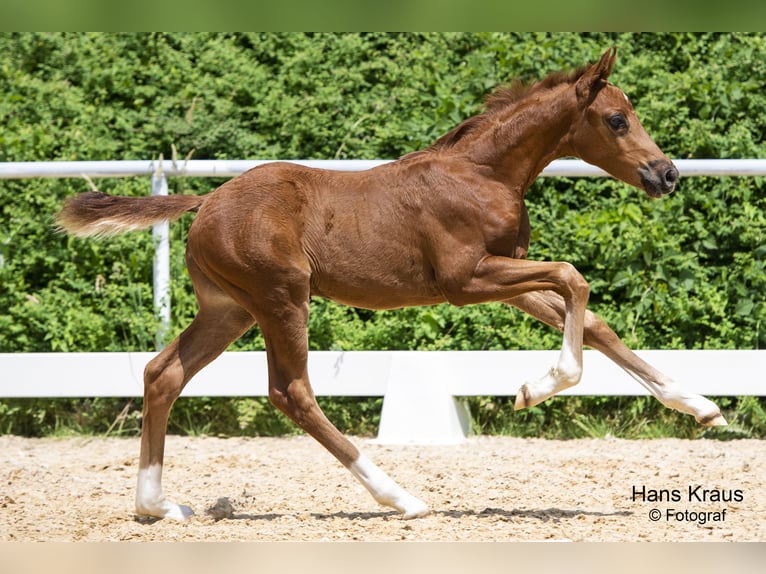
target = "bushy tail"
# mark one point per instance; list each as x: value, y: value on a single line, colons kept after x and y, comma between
x: 96, y: 214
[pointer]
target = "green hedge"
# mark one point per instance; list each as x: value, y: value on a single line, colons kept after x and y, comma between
x: 684, y: 272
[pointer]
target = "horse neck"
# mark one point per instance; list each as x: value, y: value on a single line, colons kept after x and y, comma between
x: 516, y: 145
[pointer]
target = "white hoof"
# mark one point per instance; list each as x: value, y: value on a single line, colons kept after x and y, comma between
x: 523, y: 398
x: 715, y: 420
x: 415, y: 508
x: 705, y: 411
x: 709, y: 413
x: 385, y: 491
x: 179, y: 512
x: 166, y: 509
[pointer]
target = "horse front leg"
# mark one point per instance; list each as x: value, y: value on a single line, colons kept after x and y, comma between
x: 568, y: 371
x: 550, y: 308
x: 500, y: 278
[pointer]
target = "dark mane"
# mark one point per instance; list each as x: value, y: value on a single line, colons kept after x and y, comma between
x: 501, y: 99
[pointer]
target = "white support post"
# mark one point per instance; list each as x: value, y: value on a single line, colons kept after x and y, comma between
x: 419, y: 407
x: 161, y: 280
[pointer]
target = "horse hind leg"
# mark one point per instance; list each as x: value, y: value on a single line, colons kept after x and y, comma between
x: 285, y: 332
x: 219, y: 322
x: 602, y: 338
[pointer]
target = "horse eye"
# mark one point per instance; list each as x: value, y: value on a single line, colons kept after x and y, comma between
x: 617, y: 122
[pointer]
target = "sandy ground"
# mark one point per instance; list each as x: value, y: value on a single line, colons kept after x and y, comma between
x: 486, y: 489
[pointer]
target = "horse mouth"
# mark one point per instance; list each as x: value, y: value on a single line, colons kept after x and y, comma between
x: 658, y: 177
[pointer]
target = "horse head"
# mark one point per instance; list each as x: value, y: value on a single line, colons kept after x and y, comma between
x: 608, y: 134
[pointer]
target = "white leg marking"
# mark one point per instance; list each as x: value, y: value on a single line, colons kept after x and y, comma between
x: 565, y: 374
x: 673, y: 396
x: 385, y: 490
x: 570, y: 364
x: 704, y: 410
x: 150, y: 501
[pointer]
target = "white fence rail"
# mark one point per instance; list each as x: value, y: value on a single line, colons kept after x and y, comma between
x: 419, y: 388
x: 372, y: 373
x: 232, y: 168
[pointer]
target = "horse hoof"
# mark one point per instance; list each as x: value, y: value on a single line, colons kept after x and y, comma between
x: 177, y: 512
x: 522, y: 398
x: 715, y: 420
x: 417, y: 513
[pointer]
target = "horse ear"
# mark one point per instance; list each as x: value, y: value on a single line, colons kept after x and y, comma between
x: 595, y: 77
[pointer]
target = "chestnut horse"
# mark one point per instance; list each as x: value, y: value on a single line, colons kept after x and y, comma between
x: 445, y: 224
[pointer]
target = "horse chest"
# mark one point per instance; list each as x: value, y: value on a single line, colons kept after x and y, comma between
x: 505, y: 230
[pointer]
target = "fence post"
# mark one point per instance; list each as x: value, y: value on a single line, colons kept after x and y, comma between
x: 161, y: 276
x: 418, y: 407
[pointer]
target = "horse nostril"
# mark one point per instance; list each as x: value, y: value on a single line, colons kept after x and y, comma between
x: 671, y: 176
x: 658, y: 177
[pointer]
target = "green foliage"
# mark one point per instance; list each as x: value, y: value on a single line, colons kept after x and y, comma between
x: 684, y: 272
x: 61, y: 417
x: 620, y: 417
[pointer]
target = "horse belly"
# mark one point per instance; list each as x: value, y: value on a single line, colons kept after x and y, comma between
x: 369, y: 283
x: 378, y: 300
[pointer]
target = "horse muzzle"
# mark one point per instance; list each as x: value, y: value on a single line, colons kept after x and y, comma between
x: 658, y: 177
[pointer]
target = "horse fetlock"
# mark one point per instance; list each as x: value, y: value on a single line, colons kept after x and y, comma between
x: 385, y: 491
x: 566, y: 377
x: 554, y: 381
x: 151, y: 501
